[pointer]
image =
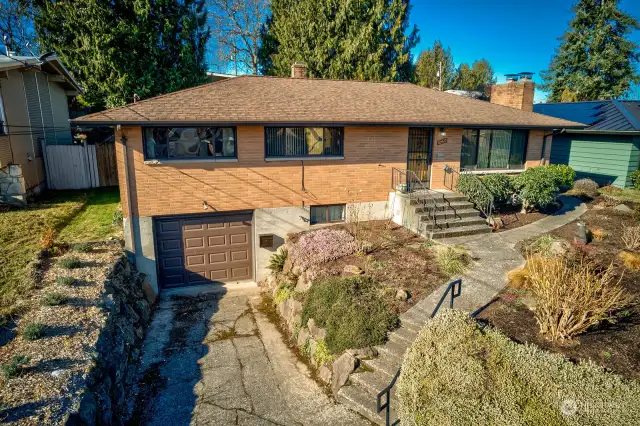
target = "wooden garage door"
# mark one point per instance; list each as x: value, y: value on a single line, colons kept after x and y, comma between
x: 203, y: 249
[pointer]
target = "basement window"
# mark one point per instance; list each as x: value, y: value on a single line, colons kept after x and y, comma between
x: 327, y: 214
x: 189, y: 142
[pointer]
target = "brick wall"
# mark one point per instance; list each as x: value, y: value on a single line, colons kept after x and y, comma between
x: 534, y: 148
x: 445, y: 153
x: 165, y: 189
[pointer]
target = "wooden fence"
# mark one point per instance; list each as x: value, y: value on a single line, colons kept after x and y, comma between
x: 81, y: 166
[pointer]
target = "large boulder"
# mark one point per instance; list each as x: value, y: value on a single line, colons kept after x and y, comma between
x: 342, y: 368
x: 317, y: 332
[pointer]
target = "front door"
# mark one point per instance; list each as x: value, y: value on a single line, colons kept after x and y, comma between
x: 419, y: 156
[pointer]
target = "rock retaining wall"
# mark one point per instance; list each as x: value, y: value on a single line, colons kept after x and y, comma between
x: 104, y: 400
x: 12, y: 185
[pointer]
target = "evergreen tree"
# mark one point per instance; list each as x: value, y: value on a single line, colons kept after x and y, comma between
x: 362, y: 40
x: 596, y: 59
x: 118, y: 48
x: 428, y: 67
x: 475, y: 78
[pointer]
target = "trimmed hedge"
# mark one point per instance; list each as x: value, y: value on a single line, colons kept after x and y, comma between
x: 563, y: 175
x: 459, y: 373
x: 501, y: 186
x: 472, y: 188
x: 351, y: 309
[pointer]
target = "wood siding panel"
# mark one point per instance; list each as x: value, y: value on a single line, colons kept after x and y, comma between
x: 606, y: 159
x: 5, y: 151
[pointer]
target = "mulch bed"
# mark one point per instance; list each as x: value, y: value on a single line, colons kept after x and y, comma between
x: 612, y: 345
x: 58, y: 361
x: 400, y: 260
x: 513, y: 218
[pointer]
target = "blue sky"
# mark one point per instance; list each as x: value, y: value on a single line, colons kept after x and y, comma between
x: 513, y: 36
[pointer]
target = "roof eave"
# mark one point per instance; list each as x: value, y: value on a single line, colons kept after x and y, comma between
x: 80, y: 122
x: 604, y: 132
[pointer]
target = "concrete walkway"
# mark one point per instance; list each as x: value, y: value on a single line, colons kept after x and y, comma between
x: 494, y: 256
x: 215, y: 359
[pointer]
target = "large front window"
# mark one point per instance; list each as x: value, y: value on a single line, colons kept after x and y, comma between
x: 189, y: 142
x: 303, y: 141
x: 493, y: 149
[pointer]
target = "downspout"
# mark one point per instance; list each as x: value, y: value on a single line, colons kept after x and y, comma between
x: 125, y: 163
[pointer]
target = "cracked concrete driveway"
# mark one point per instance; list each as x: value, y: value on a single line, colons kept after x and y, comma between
x: 215, y: 359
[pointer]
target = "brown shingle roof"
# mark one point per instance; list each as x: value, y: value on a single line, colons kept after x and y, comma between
x: 259, y: 100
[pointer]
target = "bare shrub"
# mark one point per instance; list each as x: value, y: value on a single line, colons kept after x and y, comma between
x: 452, y: 260
x: 322, y: 245
x: 571, y: 298
x: 47, y: 239
x: 631, y: 237
x: 630, y: 260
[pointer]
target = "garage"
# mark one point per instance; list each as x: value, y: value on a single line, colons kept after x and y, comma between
x: 192, y: 250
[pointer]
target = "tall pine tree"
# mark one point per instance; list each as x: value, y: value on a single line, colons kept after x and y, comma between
x: 596, y: 59
x: 362, y: 40
x: 428, y: 67
x: 118, y: 48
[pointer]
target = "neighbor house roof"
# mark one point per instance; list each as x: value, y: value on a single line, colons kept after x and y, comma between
x: 602, y: 116
x: 49, y: 63
x: 298, y: 101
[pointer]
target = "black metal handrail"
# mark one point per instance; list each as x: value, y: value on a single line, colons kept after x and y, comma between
x: 486, y: 208
x: 454, y: 289
x: 408, y: 182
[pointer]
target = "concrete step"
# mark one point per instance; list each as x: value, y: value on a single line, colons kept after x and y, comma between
x: 459, y: 232
x: 384, y: 364
x: 393, y: 348
x: 457, y: 213
x: 403, y: 334
x: 371, y: 382
x: 441, y: 206
x: 360, y: 401
x: 453, y: 223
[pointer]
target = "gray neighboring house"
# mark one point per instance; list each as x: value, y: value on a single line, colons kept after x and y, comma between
x: 608, y: 150
x: 34, y: 111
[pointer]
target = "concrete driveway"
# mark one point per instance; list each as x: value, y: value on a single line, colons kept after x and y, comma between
x: 215, y: 359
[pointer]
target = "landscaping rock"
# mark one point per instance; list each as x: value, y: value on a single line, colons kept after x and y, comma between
x: 313, y: 345
x: 352, y: 270
x: 623, y: 208
x: 368, y: 352
x: 496, y: 222
x: 324, y: 374
x: 402, y: 295
x: 317, y: 332
x: 303, y: 335
x: 303, y: 283
x: 559, y: 247
x: 342, y: 368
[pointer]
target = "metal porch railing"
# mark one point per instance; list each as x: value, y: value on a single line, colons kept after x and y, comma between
x: 484, y: 201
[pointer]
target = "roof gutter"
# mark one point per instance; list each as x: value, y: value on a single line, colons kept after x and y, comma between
x: 604, y: 132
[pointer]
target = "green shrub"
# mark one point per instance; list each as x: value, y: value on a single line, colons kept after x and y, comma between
x: 563, y: 175
x: 14, y: 367
x: 283, y: 294
x: 501, y: 186
x: 322, y: 354
x: 584, y: 188
x: 82, y: 247
x: 277, y: 259
x: 458, y: 373
x: 540, y: 245
x: 68, y: 281
x: 54, y: 299
x: 70, y: 263
x: 635, y: 179
x: 351, y: 309
x: 536, y: 187
x: 451, y: 260
x: 470, y: 186
x: 33, y: 331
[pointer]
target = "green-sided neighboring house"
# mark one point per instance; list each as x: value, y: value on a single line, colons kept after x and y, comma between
x: 607, y: 151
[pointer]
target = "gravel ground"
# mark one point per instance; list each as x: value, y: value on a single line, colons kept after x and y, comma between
x: 59, y: 361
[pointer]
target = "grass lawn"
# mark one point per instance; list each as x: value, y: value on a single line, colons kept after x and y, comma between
x: 74, y: 215
x: 632, y: 195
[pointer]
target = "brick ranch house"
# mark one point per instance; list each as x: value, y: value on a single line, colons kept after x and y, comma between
x: 214, y: 177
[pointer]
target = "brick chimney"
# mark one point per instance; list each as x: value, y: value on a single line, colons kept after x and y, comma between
x: 299, y: 70
x: 517, y: 92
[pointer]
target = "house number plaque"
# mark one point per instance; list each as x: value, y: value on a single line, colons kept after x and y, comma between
x: 441, y: 141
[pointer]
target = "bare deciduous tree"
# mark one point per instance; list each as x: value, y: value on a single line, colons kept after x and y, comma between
x: 235, y: 33
x: 16, y: 26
